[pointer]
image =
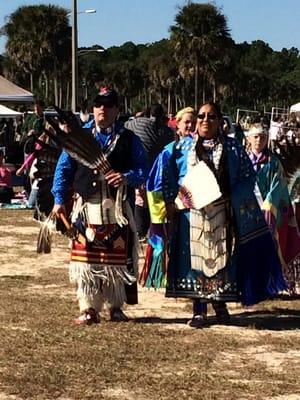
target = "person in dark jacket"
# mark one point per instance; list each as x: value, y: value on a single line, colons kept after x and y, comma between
x: 155, y: 135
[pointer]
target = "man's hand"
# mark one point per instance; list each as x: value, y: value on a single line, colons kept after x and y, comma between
x: 115, y: 179
x: 64, y: 127
x: 59, y: 209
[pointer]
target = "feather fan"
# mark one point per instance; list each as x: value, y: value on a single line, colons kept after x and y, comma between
x: 77, y: 141
x: 82, y: 146
x: 44, y: 240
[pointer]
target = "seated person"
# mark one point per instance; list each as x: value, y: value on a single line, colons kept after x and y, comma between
x: 6, y: 190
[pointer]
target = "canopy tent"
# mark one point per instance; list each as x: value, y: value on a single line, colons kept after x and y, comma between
x: 13, y: 93
x: 295, y: 107
x: 6, y: 112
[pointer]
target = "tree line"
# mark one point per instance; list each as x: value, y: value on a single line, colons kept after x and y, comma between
x: 199, y: 61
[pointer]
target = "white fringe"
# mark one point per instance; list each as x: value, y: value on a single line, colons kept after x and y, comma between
x: 136, y: 247
x: 208, y: 239
x: 77, y: 207
x: 93, y: 209
x: 107, y: 279
x: 121, y: 193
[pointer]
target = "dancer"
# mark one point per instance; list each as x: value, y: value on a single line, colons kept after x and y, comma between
x: 203, y: 185
x: 273, y: 196
x: 106, y: 259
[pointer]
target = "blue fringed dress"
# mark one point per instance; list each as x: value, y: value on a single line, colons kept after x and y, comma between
x: 252, y: 271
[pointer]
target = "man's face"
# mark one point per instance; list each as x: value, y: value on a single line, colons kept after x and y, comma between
x: 105, y: 114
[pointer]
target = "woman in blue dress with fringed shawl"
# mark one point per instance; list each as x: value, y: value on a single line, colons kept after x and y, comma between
x: 220, y: 247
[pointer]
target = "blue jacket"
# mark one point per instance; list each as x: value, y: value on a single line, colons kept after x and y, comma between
x: 67, y: 167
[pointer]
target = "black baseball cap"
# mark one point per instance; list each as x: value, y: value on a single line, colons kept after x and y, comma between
x: 107, y: 97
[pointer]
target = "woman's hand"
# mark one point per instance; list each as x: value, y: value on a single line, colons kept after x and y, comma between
x: 20, y: 171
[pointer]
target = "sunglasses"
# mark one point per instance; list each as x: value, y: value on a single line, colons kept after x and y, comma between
x: 210, y: 116
x: 105, y: 104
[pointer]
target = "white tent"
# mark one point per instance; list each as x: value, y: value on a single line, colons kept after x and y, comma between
x: 6, y: 112
x: 295, y: 108
x: 13, y: 93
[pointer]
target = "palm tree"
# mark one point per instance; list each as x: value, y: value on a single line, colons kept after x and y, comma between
x: 163, y: 73
x: 38, y: 40
x: 200, y: 36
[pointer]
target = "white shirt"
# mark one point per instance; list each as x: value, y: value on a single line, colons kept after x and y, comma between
x: 275, y: 130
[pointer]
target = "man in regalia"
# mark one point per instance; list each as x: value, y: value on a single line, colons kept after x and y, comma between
x: 104, y: 261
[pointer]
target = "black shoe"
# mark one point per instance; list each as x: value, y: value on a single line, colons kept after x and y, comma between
x: 222, y: 314
x: 117, y: 315
x: 198, y: 321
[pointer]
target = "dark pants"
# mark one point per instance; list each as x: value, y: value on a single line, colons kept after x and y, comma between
x: 142, y: 220
x: 6, y: 194
x: 200, y: 308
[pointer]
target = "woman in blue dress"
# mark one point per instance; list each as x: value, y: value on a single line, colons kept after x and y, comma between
x: 220, y: 247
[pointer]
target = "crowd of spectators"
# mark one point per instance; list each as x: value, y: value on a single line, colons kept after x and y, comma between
x: 155, y: 128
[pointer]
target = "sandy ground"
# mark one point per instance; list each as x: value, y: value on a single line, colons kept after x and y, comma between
x: 151, y: 303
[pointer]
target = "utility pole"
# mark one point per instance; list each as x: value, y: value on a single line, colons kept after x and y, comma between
x: 74, y: 56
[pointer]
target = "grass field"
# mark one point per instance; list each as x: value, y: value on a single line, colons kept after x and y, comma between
x: 43, y: 355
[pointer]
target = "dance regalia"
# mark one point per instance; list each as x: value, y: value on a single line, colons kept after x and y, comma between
x: 223, y: 251
x: 108, y: 258
x: 279, y: 214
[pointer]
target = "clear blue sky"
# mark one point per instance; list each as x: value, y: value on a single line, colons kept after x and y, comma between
x: 277, y: 22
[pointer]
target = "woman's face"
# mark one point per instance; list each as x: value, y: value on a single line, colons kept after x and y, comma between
x: 208, y: 122
x: 186, y: 124
x: 258, y: 142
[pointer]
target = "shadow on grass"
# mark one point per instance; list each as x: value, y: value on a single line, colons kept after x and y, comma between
x: 157, y: 320
x: 277, y: 319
